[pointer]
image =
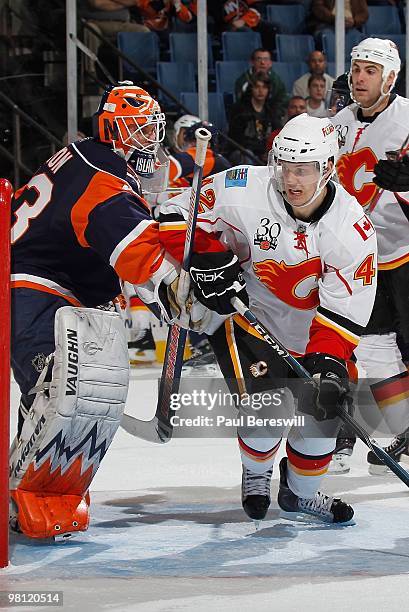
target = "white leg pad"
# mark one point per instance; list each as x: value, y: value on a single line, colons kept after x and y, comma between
x: 73, y: 420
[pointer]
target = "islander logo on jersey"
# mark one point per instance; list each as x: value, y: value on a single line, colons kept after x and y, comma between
x: 237, y: 177
x: 266, y: 236
x: 351, y: 169
x: 364, y: 227
x: 294, y: 285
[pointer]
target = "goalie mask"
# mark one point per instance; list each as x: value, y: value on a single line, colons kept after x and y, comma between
x: 300, y: 158
x: 377, y: 51
x: 131, y: 122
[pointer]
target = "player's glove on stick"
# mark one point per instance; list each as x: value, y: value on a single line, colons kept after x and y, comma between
x: 392, y: 175
x: 333, y: 387
x: 217, y: 277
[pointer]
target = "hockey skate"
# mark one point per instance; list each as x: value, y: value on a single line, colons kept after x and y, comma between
x: 202, y: 361
x: 398, y: 449
x: 143, y: 351
x: 340, y: 463
x: 323, y: 507
x: 255, y: 494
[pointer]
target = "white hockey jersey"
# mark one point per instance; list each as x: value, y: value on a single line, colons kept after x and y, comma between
x: 363, y: 142
x: 311, y: 283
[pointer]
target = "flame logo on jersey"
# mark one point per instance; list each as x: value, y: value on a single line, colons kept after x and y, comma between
x: 283, y: 280
x: 347, y: 167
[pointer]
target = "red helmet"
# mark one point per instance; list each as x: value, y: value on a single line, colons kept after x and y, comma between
x: 129, y: 120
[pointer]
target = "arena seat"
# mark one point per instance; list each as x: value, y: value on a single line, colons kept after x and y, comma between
x: 290, y: 18
x: 217, y: 111
x: 142, y: 47
x: 239, y: 45
x: 294, y: 47
x: 177, y: 77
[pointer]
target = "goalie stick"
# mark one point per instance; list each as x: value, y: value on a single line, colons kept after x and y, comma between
x: 159, y: 429
x: 282, y: 352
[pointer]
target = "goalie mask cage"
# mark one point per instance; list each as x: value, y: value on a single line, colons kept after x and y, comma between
x: 5, y: 199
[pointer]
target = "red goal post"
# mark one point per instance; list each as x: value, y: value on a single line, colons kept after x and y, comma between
x: 6, y: 192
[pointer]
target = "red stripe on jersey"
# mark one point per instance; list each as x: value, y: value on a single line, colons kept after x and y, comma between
x: 307, y: 462
x: 325, y: 339
x: 391, y: 387
x: 101, y: 187
x: 400, y: 199
x: 135, y: 302
x: 141, y: 257
x: 174, y: 242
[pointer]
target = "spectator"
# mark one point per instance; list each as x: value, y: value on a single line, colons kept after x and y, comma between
x: 240, y: 16
x: 107, y: 17
x: 296, y: 106
x: 322, y: 15
x: 157, y: 14
x: 316, y: 99
x: 252, y: 119
x: 261, y: 61
x: 317, y: 64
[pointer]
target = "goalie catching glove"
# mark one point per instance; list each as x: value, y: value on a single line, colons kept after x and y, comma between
x: 217, y: 278
x: 333, y: 387
x: 392, y: 175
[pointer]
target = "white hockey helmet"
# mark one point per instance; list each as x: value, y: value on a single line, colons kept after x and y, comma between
x: 185, y: 121
x: 305, y: 139
x: 379, y: 51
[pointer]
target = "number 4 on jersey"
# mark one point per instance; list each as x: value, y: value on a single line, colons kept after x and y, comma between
x: 366, y: 270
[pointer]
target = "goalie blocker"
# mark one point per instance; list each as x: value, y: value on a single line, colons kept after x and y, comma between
x: 79, y: 400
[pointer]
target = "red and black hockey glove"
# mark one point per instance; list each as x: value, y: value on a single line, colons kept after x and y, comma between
x: 333, y: 386
x: 216, y: 278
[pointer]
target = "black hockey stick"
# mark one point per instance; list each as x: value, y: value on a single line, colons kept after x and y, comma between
x: 160, y: 428
x: 282, y: 352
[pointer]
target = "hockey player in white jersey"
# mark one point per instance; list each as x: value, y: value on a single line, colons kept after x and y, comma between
x: 308, y: 259
x: 371, y: 130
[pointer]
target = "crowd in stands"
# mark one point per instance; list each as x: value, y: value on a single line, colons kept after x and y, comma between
x: 286, y: 65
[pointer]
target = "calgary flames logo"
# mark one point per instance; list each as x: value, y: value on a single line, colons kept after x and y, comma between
x: 283, y: 280
x: 347, y: 168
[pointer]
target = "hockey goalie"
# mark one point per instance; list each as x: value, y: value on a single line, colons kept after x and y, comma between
x: 79, y: 227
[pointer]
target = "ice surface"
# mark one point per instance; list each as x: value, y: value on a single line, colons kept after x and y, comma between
x: 168, y: 533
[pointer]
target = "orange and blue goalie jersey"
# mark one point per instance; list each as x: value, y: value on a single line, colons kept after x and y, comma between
x: 80, y: 224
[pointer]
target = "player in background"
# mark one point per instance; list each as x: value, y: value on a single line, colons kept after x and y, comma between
x: 308, y: 258
x: 338, y: 98
x: 182, y: 155
x: 182, y: 152
x: 181, y: 163
x: 79, y: 227
x: 371, y: 129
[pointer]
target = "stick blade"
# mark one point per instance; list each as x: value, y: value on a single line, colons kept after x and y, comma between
x: 150, y: 431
